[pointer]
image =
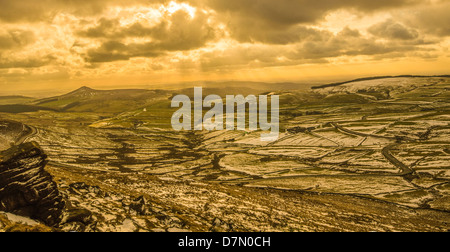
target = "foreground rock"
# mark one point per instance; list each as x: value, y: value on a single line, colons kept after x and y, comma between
x: 26, y: 189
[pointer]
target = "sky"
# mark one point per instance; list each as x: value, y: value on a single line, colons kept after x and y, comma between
x: 55, y: 45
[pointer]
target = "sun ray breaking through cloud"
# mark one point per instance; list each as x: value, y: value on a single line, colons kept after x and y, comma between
x: 99, y: 42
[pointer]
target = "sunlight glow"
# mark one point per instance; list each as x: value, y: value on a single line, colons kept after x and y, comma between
x: 174, y: 7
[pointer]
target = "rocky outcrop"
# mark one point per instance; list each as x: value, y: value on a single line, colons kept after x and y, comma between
x: 26, y: 189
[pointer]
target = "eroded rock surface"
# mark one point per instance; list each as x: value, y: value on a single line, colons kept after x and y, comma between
x: 26, y: 189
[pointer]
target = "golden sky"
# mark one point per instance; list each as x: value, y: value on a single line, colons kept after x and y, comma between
x: 64, y: 44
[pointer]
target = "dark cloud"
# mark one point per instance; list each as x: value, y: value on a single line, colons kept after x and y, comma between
x: 289, y: 12
x: 432, y: 19
x: 111, y: 29
x: 179, y: 33
x: 273, y: 35
x: 15, y: 39
x: 313, y: 49
x: 352, y: 43
x: 266, y: 32
x: 277, y: 21
x: 32, y: 10
x: 106, y: 28
x: 12, y: 11
x: 114, y: 51
x: 393, y: 30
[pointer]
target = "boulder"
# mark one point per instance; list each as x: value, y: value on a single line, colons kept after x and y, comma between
x: 26, y: 189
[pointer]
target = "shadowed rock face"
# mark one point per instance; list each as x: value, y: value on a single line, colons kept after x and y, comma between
x: 25, y: 187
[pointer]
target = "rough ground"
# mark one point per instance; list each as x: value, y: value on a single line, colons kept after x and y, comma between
x: 176, y: 205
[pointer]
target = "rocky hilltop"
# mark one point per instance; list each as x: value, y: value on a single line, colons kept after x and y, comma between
x: 26, y: 189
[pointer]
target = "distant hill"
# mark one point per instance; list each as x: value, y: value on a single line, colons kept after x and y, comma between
x: 15, y: 99
x: 86, y: 99
x: 411, y: 89
x: 375, y: 78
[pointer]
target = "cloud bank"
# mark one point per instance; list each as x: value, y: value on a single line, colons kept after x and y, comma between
x: 95, y: 38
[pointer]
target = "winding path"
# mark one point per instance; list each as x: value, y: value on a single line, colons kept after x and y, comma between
x: 386, y: 151
x: 23, y: 134
x: 356, y: 133
x: 404, y: 169
x: 30, y: 131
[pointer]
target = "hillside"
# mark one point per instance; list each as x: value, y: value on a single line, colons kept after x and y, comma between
x: 15, y: 99
x: 413, y: 89
x: 86, y: 99
x: 335, y: 84
x: 111, y: 101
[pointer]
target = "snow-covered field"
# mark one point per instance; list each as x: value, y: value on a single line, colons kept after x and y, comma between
x: 394, y: 149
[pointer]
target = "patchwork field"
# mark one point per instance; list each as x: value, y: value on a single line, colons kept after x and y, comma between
x: 386, y: 140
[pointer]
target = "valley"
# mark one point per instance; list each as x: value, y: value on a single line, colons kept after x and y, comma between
x: 369, y: 155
